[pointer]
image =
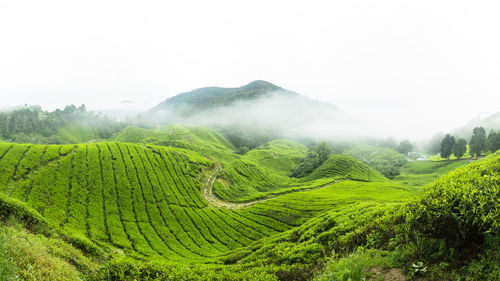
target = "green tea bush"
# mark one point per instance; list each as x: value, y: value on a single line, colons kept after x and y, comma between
x: 461, y: 209
x: 23, y: 213
x: 125, y: 268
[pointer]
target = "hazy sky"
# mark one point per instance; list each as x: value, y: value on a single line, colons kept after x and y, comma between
x: 417, y: 66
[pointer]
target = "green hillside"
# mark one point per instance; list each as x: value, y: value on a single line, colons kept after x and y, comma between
x: 448, y: 232
x: 179, y: 201
x: 278, y: 156
x: 199, y: 139
x: 261, y: 172
x: 420, y: 173
x: 345, y: 167
x: 212, y: 97
x: 386, y: 161
x: 147, y: 199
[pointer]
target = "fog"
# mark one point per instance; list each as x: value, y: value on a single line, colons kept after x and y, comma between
x: 291, y: 116
x: 402, y: 68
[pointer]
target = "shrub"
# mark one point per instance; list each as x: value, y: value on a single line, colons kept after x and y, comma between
x: 31, y: 219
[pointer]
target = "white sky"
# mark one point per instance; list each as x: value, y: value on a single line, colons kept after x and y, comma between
x: 415, y: 66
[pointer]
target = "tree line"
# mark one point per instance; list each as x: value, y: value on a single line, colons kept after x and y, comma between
x: 32, y: 124
x: 477, y: 144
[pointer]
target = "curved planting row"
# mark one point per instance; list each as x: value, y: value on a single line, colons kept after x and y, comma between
x: 143, y: 199
x: 345, y: 167
x: 242, y: 180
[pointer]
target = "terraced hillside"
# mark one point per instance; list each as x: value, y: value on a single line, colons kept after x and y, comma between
x: 261, y: 172
x: 147, y: 199
x: 199, y: 139
x: 146, y: 207
x: 420, y: 173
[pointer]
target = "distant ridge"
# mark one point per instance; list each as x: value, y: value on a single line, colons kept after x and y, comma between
x: 488, y: 123
x: 249, y: 115
x: 205, y: 98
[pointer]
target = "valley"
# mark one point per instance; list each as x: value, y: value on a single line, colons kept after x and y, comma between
x: 182, y: 195
x: 152, y: 199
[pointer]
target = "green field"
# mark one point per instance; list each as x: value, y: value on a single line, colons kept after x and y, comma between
x: 147, y: 199
x: 137, y: 205
x: 437, y: 157
x: 420, y: 173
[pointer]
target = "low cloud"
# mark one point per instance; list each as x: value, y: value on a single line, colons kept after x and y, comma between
x: 291, y: 116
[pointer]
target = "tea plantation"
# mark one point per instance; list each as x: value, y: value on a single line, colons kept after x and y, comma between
x: 136, y: 208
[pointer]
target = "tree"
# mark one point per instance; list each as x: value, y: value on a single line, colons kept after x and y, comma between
x: 404, y: 147
x: 447, y: 146
x: 314, y: 158
x: 390, y: 143
x: 460, y: 148
x: 478, y: 141
x: 323, y: 151
x: 493, y: 142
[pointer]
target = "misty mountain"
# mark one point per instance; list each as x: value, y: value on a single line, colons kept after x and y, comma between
x: 258, y: 107
x: 488, y: 123
x: 191, y: 103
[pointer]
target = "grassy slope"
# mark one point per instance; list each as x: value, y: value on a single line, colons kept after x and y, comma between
x: 452, y: 227
x: 437, y: 157
x: 420, y: 173
x: 199, y: 139
x: 261, y: 172
x: 27, y: 256
x: 384, y: 160
x: 345, y: 167
x: 398, y: 235
x: 75, y: 134
x: 144, y: 199
x: 370, y: 154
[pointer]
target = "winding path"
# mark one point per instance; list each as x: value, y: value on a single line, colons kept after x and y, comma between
x: 209, y: 195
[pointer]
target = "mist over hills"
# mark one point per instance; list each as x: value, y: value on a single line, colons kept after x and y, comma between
x: 206, y: 98
x: 491, y: 122
x: 259, y: 107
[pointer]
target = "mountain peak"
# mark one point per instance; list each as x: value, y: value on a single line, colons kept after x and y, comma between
x: 211, y: 97
x: 261, y: 84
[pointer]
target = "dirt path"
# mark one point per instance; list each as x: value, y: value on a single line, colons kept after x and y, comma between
x: 209, y: 195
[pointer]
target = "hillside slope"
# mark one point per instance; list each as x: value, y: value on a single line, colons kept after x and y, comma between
x: 200, y: 139
x: 140, y: 198
x: 450, y: 231
x: 249, y: 115
x: 146, y: 201
x: 201, y: 99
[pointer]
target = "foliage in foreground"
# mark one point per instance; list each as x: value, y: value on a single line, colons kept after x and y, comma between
x: 450, y: 230
x: 26, y: 256
x: 453, y: 226
x: 126, y: 268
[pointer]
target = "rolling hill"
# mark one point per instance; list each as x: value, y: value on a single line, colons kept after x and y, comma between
x: 148, y: 199
x: 141, y: 206
x: 258, y: 109
x: 212, y: 97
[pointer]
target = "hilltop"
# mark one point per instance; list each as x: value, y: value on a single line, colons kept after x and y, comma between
x: 189, y: 103
x: 249, y: 115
